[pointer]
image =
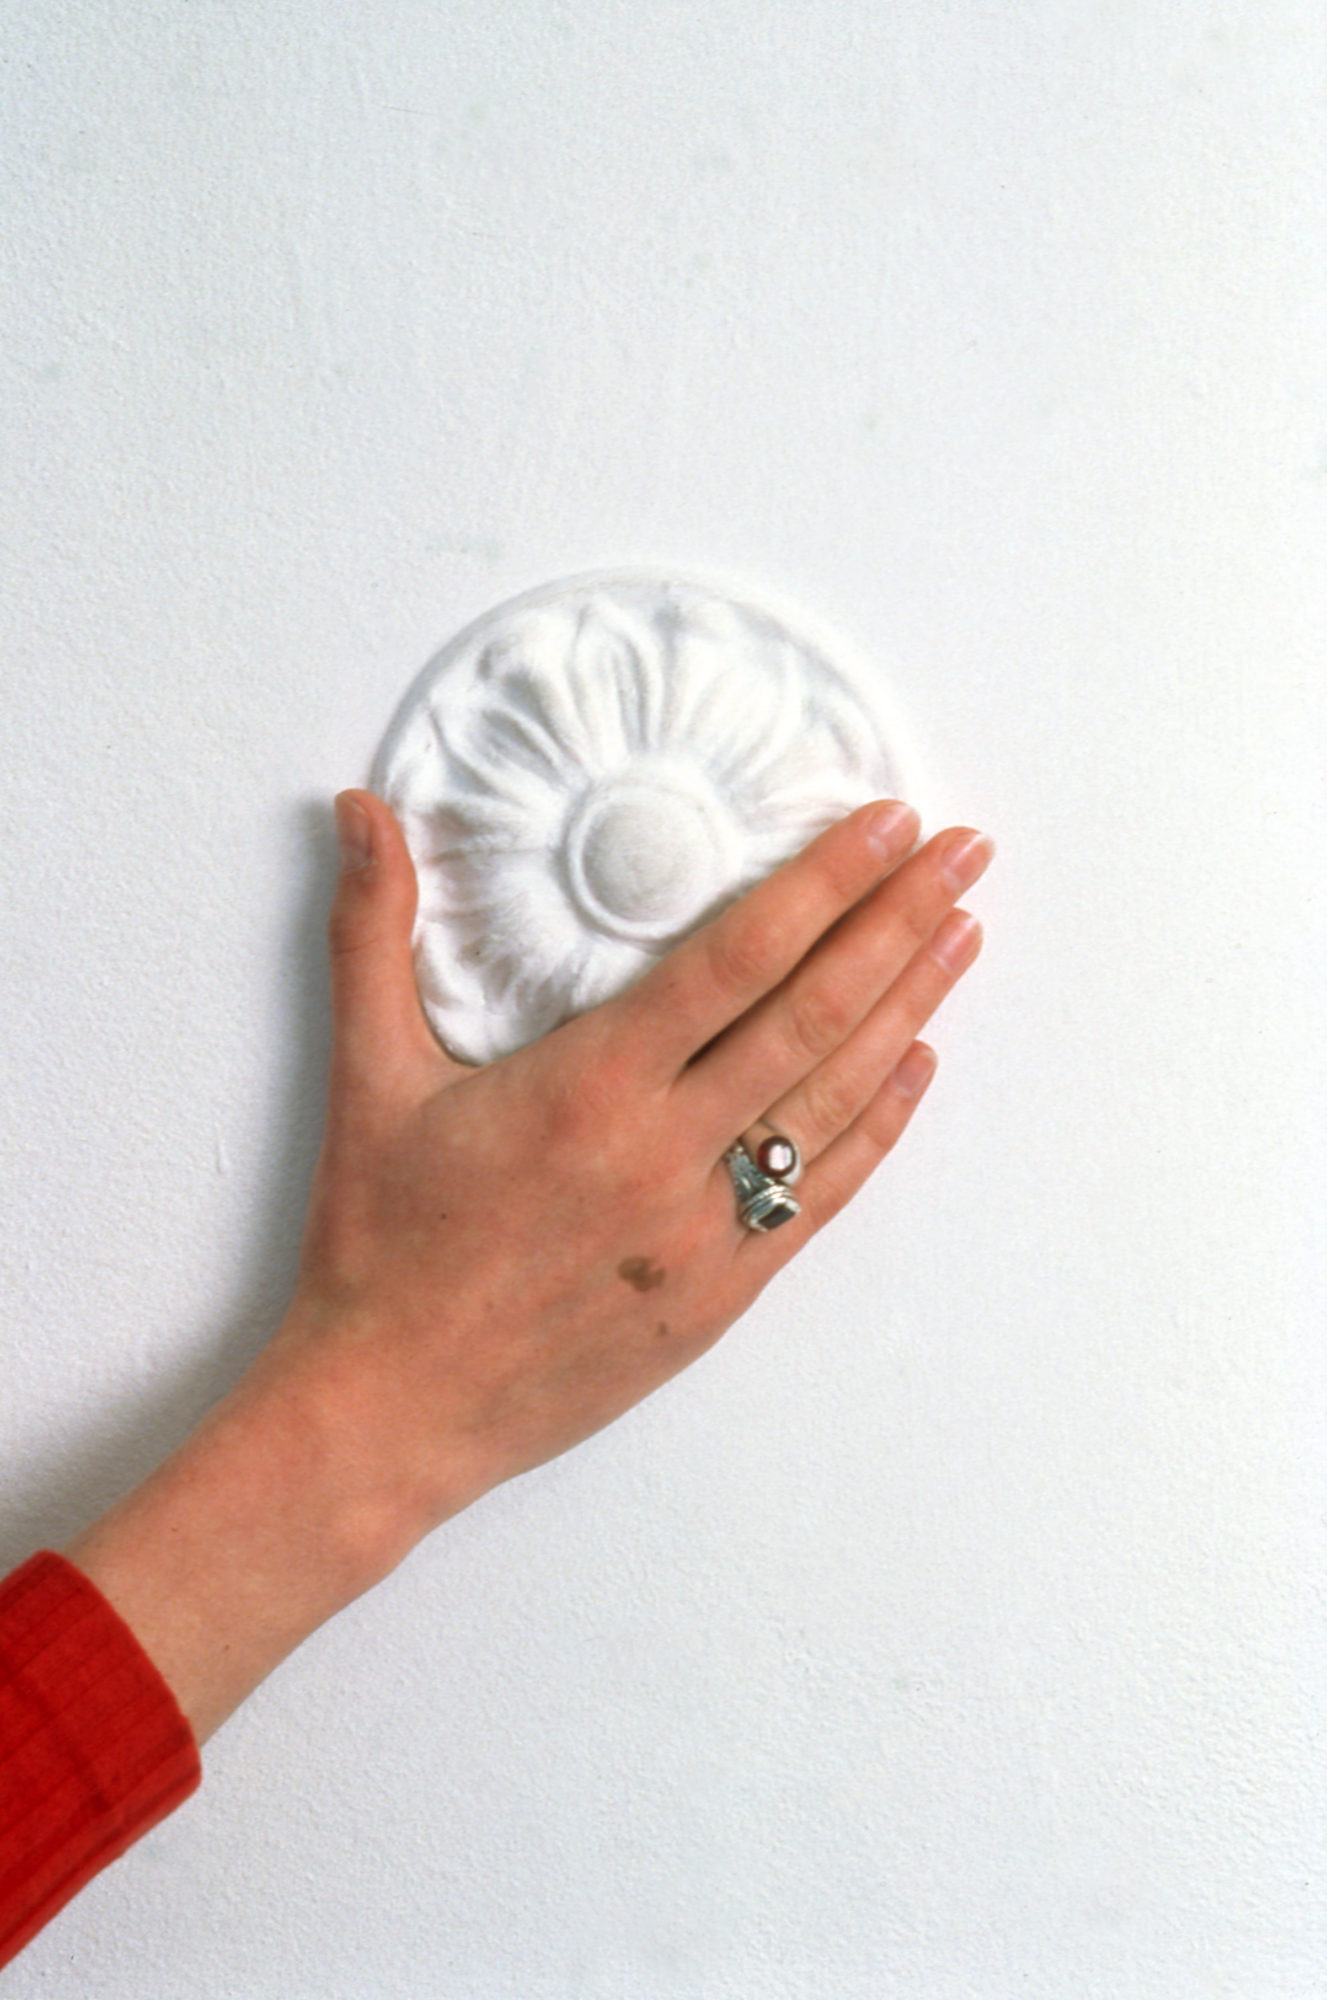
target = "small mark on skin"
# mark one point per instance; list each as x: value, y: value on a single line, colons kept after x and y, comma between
x: 661, y: 1331
x: 642, y: 1272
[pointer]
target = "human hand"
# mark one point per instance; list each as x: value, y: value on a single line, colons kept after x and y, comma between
x: 499, y: 1261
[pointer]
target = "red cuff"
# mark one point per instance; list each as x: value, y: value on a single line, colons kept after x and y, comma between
x: 94, y: 1749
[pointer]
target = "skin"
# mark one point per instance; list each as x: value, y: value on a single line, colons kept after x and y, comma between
x: 500, y: 1261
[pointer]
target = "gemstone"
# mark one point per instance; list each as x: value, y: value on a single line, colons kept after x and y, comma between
x: 776, y: 1157
x: 772, y: 1207
x: 774, y: 1218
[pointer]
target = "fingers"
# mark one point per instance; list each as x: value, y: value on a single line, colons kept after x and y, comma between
x: 713, y: 977
x: 830, y: 1183
x: 379, y: 1033
x: 818, y: 1109
x: 845, y: 1166
x: 792, y: 1033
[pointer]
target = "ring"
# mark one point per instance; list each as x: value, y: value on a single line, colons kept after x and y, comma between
x: 764, y: 1199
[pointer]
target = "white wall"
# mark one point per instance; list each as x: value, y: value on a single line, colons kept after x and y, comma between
x: 954, y: 1629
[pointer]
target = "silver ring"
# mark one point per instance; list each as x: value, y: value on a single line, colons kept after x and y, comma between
x: 764, y: 1201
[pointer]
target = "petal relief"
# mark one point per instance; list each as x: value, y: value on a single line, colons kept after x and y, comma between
x: 527, y: 669
x: 474, y: 824
x: 604, y: 659
x: 639, y: 677
x: 727, y: 720
x: 579, y: 751
x: 476, y: 767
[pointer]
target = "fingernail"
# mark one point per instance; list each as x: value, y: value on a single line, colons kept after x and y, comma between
x: 885, y: 824
x: 956, y: 940
x: 915, y: 1071
x: 354, y: 832
x: 967, y: 860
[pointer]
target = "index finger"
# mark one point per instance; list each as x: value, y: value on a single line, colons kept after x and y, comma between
x: 711, y: 978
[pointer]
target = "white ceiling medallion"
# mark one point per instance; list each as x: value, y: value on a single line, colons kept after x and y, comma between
x: 589, y: 772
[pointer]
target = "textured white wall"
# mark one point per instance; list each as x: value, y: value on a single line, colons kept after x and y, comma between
x: 954, y: 1629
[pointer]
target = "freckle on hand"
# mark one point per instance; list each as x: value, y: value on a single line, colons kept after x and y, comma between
x: 641, y: 1273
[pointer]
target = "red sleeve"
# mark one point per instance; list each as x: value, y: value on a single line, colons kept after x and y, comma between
x: 94, y: 1749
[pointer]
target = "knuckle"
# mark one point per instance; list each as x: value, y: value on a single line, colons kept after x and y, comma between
x: 828, y: 1203
x: 596, y: 1127
x: 854, y: 854
x: 830, y: 1103
x: 914, y: 927
x: 828, y: 1199
x: 605, y: 1073
x: 845, y: 874
x: 819, y: 1018
x: 579, y: 1112
x: 349, y: 928
x: 744, y: 956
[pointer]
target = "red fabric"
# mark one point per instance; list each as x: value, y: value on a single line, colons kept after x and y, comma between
x: 93, y: 1747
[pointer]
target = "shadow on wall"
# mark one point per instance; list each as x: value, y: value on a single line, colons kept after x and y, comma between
x: 124, y: 1439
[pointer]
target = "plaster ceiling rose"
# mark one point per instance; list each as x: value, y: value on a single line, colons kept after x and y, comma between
x: 590, y: 771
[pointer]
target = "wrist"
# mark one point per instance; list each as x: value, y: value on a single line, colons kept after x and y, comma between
x: 265, y: 1523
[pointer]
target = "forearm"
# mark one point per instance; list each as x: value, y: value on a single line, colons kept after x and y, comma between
x: 254, y: 1533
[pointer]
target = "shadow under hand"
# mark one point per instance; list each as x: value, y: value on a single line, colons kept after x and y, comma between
x: 126, y: 1439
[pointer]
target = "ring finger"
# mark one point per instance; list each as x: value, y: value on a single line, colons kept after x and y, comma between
x: 819, y: 1108
x: 798, y: 1026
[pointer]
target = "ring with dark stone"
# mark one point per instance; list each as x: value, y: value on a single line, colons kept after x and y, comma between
x: 763, y: 1202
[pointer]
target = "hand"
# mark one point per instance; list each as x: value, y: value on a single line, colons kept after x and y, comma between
x: 500, y: 1261
x: 505, y: 1259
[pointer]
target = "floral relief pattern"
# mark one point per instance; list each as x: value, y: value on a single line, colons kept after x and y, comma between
x: 590, y: 773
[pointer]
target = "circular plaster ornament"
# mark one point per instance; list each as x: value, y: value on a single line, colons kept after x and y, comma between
x: 589, y: 772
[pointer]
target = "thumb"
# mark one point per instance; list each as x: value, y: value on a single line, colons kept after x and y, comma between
x: 379, y: 1032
